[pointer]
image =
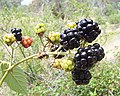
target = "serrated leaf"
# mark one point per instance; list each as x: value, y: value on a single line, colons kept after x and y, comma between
x: 16, y: 80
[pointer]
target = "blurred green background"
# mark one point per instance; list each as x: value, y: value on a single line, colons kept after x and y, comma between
x: 55, y: 14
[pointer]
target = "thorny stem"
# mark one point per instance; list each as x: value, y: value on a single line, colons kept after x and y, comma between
x: 23, y: 60
x: 32, y: 56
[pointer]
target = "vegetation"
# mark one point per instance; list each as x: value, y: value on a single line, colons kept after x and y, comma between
x: 42, y: 78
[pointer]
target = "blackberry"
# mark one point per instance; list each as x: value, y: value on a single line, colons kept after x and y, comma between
x: 17, y: 33
x: 81, y: 77
x: 54, y: 48
x: 70, y: 39
x: 85, y: 58
x: 88, y: 29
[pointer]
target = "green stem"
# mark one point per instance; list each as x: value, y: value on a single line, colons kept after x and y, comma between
x: 3, y: 77
x: 12, y: 53
x: 45, y: 46
x: 59, y: 48
x: 25, y: 59
x: 20, y: 49
x: 41, y: 41
x: 54, y: 53
x: 32, y: 56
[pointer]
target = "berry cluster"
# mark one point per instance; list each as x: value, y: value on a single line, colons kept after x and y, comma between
x: 54, y: 48
x: 71, y: 25
x: 17, y: 33
x: 40, y: 29
x: 65, y: 64
x: 85, y: 58
x: 81, y: 77
x: 57, y: 63
x: 9, y: 39
x: 88, y: 29
x: 70, y: 39
x: 26, y: 41
x: 54, y: 37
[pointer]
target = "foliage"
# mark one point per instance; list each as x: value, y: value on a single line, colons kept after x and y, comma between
x: 114, y: 18
x: 110, y: 10
x: 10, y: 3
x: 16, y: 79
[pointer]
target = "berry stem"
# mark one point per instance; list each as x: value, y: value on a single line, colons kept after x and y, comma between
x: 58, y: 48
x: 21, y: 49
x: 41, y: 42
x: 54, y: 53
x: 84, y: 42
x: 12, y: 56
x: 45, y: 46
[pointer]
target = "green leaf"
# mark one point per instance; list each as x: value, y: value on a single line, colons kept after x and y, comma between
x: 4, y: 67
x: 16, y: 80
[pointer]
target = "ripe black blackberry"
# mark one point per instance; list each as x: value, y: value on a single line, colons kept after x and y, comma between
x: 85, y: 58
x: 99, y: 51
x: 81, y: 77
x: 54, y: 48
x: 70, y: 39
x: 88, y: 29
x: 17, y: 33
